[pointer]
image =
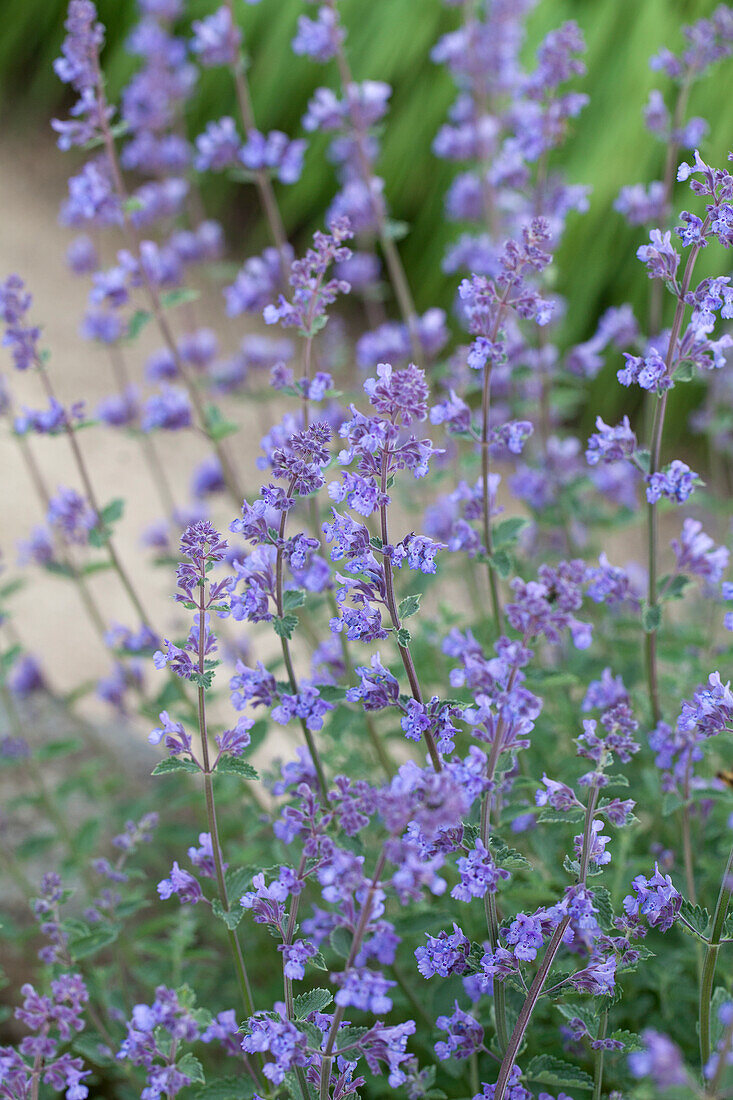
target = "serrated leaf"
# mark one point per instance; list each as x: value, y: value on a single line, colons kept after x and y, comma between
x: 554, y: 1071
x: 341, y: 940
x: 548, y: 815
x: 630, y: 1039
x: 293, y: 598
x: 409, y: 606
x: 508, y: 531
x: 651, y: 617
x: 174, y: 764
x: 315, y: 1000
x: 684, y: 372
x: 602, y: 901
x: 285, y: 626
x: 233, y: 765
x: 226, y: 1088
x: 403, y: 637
x: 696, y: 916
x: 192, y: 1068
x: 238, y: 880
x: 231, y: 917
x: 96, y: 939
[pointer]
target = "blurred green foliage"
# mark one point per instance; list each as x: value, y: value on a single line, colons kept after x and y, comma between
x: 391, y: 40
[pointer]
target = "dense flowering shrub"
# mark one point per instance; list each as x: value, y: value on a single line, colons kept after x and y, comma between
x: 495, y: 762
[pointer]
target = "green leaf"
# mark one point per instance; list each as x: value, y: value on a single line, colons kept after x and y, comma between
x: 651, y: 617
x: 409, y: 606
x: 179, y: 297
x: 192, y: 1068
x: 231, y: 917
x: 684, y: 372
x: 315, y: 1000
x: 238, y: 880
x: 548, y: 815
x: 226, y: 1088
x: 508, y: 858
x: 112, y: 511
x: 696, y: 916
x: 216, y: 425
x: 507, y: 532
x: 137, y: 323
x: 340, y: 940
x: 293, y: 599
x: 54, y: 750
x: 174, y: 764
x: 396, y: 230
x: 92, y: 941
x: 642, y: 457
x: 602, y: 901
x: 630, y: 1039
x: 285, y: 626
x: 403, y: 637
x: 673, y: 589
x: 502, y: 563
x: 554, y: 1071
x: 232, y: 765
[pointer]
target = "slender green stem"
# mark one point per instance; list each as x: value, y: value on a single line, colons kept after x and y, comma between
x: 598, y: 1060
x: 405, y: 654
x: 338, y: 1016
x: 287, y: 657
x: 654, y: 459
x: 724, y: 1051
x: 234, y: 944
x: 535, y: 990
x: 711, y: 960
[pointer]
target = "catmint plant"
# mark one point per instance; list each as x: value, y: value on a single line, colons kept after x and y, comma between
x: 421, y: 821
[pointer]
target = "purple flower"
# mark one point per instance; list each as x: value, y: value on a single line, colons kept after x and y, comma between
x: 216, y: 39
x: 479, y: 874
x: 676, y: 483
x: 295, y: 957
x: 181, y: 883
x: 273, y: 152
x: 318, y: 38
x: 649, y: 373
x: 363, y: 989
x: 697, y: 553
x: 218, y: 147
x: 654, y: 898
x: 279, y: 1038
x: 445, y: 954
x: 611, y: 444
x: 661, y: 1060
x: 465, y: 1035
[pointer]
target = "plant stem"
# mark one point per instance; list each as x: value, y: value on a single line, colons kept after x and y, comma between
x: 654, y: 458
x: 287, y: 657
x: 535, y: 990
x: 405, y: 654
x: 234, y: 944
x: 327, y: 1055
x: 711, y: 959
x: 598, y: 1060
